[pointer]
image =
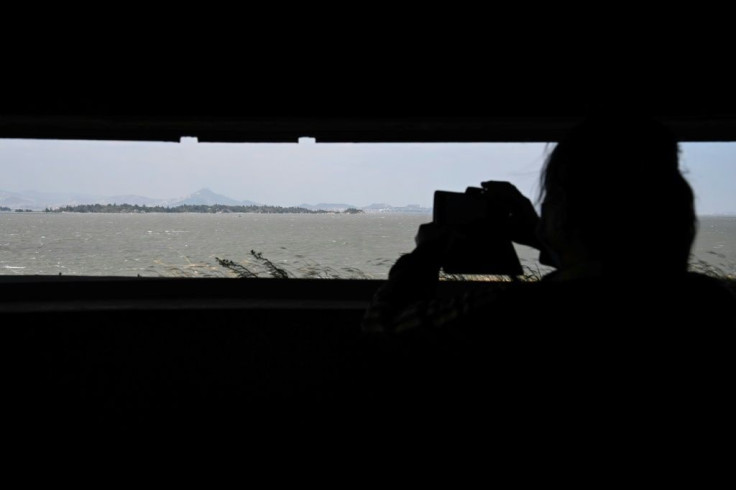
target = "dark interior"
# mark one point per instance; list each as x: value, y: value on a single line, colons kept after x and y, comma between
x: 122, y: 353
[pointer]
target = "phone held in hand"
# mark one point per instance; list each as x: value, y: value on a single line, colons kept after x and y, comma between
x: 482, y: 244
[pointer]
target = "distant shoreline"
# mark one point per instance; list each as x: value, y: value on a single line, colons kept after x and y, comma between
x: 221, y: 208
x: 192, y: 208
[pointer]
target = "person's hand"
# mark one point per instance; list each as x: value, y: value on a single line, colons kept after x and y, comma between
x: 523, y: 218
x: 434, y: 240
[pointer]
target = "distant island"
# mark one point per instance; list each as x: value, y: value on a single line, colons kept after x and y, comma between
x: 193, y: 208
x: 202, y: 201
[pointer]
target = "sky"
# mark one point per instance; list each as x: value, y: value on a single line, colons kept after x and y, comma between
x: 309, y: 173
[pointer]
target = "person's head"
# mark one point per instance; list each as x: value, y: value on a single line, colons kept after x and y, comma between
x: 612, y: 192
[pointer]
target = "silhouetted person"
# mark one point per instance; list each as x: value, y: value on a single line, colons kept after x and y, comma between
x: 619, y: 339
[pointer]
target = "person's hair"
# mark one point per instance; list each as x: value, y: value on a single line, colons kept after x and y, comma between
x: 619, y: 186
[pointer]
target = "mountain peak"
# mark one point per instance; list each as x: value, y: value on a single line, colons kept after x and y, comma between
x: 208, y: 197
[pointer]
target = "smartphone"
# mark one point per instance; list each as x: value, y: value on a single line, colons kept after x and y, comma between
x: 485, y: 247
x: 459, y: 208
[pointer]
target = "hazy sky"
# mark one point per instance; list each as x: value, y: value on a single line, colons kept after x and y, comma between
x: 292, y: 174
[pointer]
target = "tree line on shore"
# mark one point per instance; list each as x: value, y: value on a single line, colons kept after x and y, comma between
x: 189, y: 208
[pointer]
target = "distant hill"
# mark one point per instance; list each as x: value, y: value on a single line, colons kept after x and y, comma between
x: 132, y: 199
x: 328, y: 206
x: 14, y: 200
x: 377, y: 206
x: 372, y: 208
x: 209, y: 198
x: 38, y: 201
x: 387, y: 208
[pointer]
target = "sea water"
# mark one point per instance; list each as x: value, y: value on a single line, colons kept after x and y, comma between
x: 302, y: 245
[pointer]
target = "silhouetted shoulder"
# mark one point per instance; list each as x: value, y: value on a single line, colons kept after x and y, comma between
x: 703, y: 300
x: 572, y: 353
x: 717, y: 289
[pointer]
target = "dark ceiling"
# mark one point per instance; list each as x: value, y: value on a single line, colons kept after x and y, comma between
x: 397, y: 112
x: 482, y: 85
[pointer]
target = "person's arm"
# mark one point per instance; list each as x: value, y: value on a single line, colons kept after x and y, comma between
x: 412, y: 280
x: 407, y: 300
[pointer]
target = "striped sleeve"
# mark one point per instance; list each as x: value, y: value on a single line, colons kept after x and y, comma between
x: 407, y: 300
